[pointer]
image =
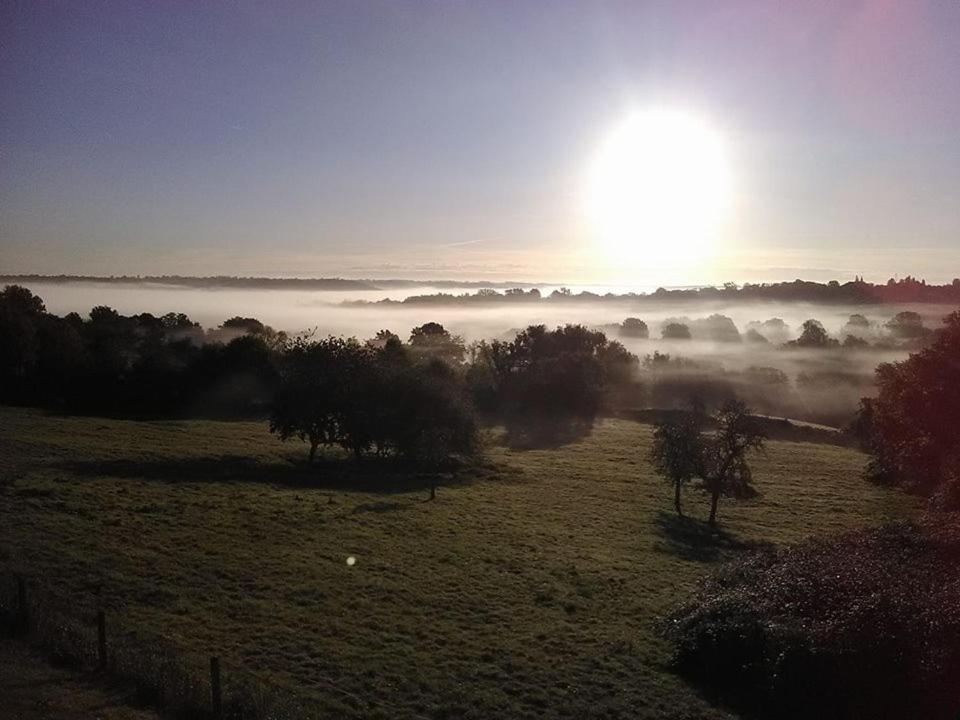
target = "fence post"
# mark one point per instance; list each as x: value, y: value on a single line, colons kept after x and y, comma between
x: 102, y: 638
x: 215, y: 688
x: 22, y: 612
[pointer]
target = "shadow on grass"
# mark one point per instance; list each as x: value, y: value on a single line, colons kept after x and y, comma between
x: 693, y: 539
x: 369, y: 475
x: 545, y: 435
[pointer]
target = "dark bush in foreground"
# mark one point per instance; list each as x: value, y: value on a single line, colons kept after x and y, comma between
x: 864, y: 625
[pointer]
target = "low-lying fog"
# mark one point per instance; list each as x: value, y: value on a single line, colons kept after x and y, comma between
x: 298, y: 310
x: 832, y: 378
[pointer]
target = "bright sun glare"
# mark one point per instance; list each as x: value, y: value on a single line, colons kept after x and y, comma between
x: 659, y: 189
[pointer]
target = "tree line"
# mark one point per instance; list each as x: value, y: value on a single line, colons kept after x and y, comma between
x: 422, y: 399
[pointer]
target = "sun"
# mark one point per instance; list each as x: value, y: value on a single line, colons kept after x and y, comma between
x: 659, y: 189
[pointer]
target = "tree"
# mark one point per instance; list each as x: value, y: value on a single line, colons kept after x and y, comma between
x: 20, y: 313
x: 431, y: 419
x: 432, y: 340
x: 814, y: 335
x: 677, y: 450
x: 550, y: 380
x: 911, y: 427
x: 675, y: 331
x: 634, y: 328
x: 726, y: 472
x: 683, y: 451
x: 907, y: 325
x: 718, y: 328
x: 306, y: 403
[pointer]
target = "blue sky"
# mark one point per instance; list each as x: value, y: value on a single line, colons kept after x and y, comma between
x: 450, y: 139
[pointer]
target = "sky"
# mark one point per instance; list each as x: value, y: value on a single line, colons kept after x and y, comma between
x: 454, y: 139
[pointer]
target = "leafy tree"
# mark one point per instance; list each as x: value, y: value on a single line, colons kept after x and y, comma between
x: 726, y: 472
x: 432, y: 341
x: 907, y: 325
x: 911, y: 427
x: 433, y: 420
x: 20, y: 312
x: 550, y: 379
x: 683, y: 451
x: 634, y: 328
x: 854, y: 341
x: 675, y: 331
x: 718, y: 328
x: 306, y: 405
x: 677, y: 450
x: 857, y: 321
x: 814, y: 335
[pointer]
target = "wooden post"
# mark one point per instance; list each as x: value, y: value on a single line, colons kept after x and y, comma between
x: 215, y: 688
x: 22, y: 612
x: 102, y: 639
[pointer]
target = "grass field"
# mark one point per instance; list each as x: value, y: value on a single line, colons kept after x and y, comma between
x: 531, y: 590
x: 31, y: 688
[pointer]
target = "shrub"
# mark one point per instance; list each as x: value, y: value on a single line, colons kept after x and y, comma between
x: 863, y: 625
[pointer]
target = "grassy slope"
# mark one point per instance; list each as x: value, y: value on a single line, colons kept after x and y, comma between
x: 531, y: 593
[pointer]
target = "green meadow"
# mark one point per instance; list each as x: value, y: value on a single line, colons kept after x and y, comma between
x: 532, y: 586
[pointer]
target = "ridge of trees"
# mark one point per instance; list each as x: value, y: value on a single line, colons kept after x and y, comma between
x: 857, y: 292
x: 412, y: 400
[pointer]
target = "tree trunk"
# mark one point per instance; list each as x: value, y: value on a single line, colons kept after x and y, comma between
x: 433, y: 492
x: 714, y: 499
x: 676, y: 499
x: 313, y: 449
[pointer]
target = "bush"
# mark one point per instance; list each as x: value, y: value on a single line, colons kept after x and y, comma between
x: 863, y: 625
x: 911, y: 427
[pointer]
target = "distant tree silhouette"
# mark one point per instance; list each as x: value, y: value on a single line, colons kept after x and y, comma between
x: 717, y: 328
x: 814, y: 335
x: 548, y: 381
x: 907, y: 325
x: 634, y: 328
x: 675, y: 331
x: 854, y: 341
x: 432, y: 341
x: 857, y: 321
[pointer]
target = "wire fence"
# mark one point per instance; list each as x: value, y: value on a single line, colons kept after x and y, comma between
x: 81, y: 632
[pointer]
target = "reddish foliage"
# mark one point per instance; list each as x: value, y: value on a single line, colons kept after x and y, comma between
x: 864, y: 625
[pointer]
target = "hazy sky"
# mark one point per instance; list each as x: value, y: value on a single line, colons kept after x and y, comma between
x: 452, y: 139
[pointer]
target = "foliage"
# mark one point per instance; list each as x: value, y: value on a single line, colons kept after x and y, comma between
x: 339, y: 392
x: 675, y: 331
x: 813, y: 335
x: 856, y: 626
x: 549, y: 378
x: 139, y: 365
x: 634, y: 328
x: 682, y: 451
x: 911, y: 427
x: 432, y: 341
x: 676, y: 453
